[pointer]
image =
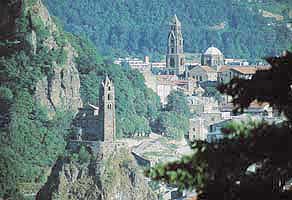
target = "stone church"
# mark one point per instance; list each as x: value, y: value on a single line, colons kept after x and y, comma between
x: 98, y: 123
x: 107, y: 119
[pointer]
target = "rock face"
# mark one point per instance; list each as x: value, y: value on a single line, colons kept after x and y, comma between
x: 115, y: 177
x: 60, y: 90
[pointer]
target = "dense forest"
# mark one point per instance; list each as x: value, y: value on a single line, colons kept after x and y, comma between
x: 137, y: 27
x: 31, y: 137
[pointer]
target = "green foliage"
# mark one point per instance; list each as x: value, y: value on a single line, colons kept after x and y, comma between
x: 172, y: 124
x: 136, y: 105
x: 30, y: 139
x: 84, y: 155
x: 177, y: 102
x: 219, y: 170
x: 212, y: 92
x: 6, y: 94
x: 141, y: 27
x: 240, y: 128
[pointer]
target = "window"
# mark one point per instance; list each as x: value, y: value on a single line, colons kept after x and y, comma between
x: 109, y: 97
x: 172, y: 50
x: 181, y: 61
x: 109, y: 88
x: 109, y: 106
x: 171, y: 62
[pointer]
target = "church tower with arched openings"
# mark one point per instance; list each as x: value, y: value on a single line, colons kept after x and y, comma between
x: 107, y: 111
x: 175, y: 54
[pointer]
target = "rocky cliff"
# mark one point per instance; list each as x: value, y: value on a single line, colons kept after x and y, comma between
x: 37, y: 30
x: 114, y: 177
x: 61, y: 88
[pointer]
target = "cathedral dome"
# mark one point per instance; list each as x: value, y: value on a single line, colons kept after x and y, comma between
x: 213, y: 51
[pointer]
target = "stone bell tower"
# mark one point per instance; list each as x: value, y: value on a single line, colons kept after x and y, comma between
x: 175, y: 54
x: 107, y: 111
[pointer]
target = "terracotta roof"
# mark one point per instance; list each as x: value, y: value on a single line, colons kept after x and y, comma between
x: 223, y: 68
x: 208, y: 69
x: 205, y: 68
x: 244, y: 69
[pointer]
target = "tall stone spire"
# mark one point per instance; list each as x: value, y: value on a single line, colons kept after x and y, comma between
x: 175, y: 54
x: 107, y: 110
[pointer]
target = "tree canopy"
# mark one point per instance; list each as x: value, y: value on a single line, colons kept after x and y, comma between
x: 136, y: 105
x: 237, y: 28
x: 173, y: 120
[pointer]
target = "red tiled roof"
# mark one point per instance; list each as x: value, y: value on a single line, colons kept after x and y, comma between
x: 244, y: 69
x: 224, y: 68
x: 208, y: 69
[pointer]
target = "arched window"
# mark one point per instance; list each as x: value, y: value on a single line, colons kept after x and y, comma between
x: 109, y: 88
x: 109, y: 106
x: 171, y: 62
x: 171, y: 41
x: 181, y: 61
x: 109, y: 97
x: 172, y: 50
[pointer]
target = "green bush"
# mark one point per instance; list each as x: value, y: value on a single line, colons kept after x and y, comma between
x: 83, y: 155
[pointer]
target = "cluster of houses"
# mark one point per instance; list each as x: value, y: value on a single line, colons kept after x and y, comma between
x: 191, y: 74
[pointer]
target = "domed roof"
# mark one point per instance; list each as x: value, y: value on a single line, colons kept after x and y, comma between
x: 213, y: 51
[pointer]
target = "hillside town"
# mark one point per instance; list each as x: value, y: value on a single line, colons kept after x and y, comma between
x: 193, y: 77
x: 123, y: 100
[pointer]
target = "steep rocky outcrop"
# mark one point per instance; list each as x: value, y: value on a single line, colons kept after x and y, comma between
x: 114, y: 177
x: 60, y: 90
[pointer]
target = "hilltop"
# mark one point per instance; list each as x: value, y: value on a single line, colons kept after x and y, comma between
x: 249, y: 29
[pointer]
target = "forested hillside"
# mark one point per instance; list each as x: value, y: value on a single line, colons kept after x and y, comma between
x: 136, y: 105
x: 41, y: 71
x: 238, y: 28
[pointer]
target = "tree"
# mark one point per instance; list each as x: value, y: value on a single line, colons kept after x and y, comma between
x: 223, y: 169
x: 172, y: 124
x: 177, y: 102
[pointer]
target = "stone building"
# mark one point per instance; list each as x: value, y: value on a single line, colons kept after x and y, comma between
x: 98, y: 123
x: 203, y: 73
x: 198, y: 129
x: 107, y: 120
x: 86, y: 122
x: 227, y: 73
x: 165, y: 84
x: 175, y: 55
x: 213, y: 57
